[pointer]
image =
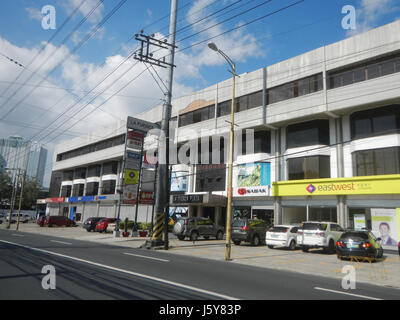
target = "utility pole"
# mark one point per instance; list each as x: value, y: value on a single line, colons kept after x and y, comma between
x: 23, y: 183
x: 16, y: 177
x: 162, y: 181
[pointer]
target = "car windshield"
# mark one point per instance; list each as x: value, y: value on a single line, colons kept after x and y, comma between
x: 355, y: 235
x: 278, y: 229
x: 315, y: 226
x: 238, y: 223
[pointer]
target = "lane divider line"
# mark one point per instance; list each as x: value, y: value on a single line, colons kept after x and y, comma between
x: 347, y: 293
x: 17, y: 235
x: 140, y: 256
x: 62, y: 242
x: 176, y: 284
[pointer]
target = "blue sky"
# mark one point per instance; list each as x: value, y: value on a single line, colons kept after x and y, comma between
x: 303, y: 27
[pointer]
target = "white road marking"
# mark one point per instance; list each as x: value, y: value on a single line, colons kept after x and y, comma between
x: 138, y: 255
x: 347, y: 293
x: 60, y: 242
x: 176, y: 284
x: 17, y: 235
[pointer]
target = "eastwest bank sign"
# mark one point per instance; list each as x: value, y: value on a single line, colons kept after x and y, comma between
x: 383, y: 184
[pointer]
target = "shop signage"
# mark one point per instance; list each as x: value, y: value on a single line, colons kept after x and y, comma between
x: 132, y: 160
x: 129, y: 196
x: 251, y: 192
x: 149, y: 161
x: 135, y: 140
x: 55, y: 200
x: 146, y: 197
x: 189, y: 198
x: 131, y: 176
x: 383, y: 184
x: 139, y: 124
x: 41, y: 201
x: 179, y: 181
x: 81, y: 199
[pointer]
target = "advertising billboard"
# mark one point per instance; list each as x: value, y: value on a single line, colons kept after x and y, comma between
x: 385, y: 224
x: 252, y: 179
x: 179, y: 181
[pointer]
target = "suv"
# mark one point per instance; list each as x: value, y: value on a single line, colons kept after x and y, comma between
x: 195, y: 227
x: 58, y: 221
x: 319, y: 235
x: 249, y: 230
x: 14, y: 218
x: 282, y: 235
x: 102, y: 224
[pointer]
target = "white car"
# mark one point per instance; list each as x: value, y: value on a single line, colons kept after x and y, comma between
x: 282, y: 235
x: 23, y: 218
x: 317, y: 234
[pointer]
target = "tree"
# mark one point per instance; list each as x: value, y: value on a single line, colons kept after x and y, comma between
x: 31, y: 194
x: 5, y: 187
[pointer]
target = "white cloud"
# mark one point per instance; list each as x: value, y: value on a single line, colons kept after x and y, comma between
x: 369, y: 12
x: 34, y: 14
x: 87, y: 6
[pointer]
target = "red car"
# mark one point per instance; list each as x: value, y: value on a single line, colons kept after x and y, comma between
x: 102, y: 225
x: 58, y: 221
x: 40, y: 221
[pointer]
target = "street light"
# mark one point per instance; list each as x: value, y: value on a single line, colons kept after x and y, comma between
x: 213, y: 47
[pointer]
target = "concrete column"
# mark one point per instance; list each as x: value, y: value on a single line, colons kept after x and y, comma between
x: 98, y: 209
x: 192, y: 211
x: 342, y: 218
x: 199, y: 211
x: 218, y: 214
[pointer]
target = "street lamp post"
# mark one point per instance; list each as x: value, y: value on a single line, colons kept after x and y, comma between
x: 212, y: 46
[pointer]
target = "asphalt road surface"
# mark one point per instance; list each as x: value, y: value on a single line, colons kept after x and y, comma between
x: 86, y: 270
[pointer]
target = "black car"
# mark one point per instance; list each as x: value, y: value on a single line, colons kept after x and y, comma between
x: 359, y: 244
x: 90, y: 223
x: 195, y: 227
x: 249, y: 230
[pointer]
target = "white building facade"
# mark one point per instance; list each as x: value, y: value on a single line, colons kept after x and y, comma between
x: 325, y: 127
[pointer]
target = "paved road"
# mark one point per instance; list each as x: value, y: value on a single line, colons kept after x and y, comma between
x: 87, y: 270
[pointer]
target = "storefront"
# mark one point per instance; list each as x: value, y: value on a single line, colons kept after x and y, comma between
x: 370, y: 202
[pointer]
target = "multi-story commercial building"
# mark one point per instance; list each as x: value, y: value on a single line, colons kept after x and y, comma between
x: 15, y: 150
x: 325, y: 131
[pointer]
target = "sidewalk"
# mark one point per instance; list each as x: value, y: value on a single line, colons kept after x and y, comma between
x: 315, y: 262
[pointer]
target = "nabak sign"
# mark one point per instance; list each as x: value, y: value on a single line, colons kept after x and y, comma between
x: 251, y: 191
x: 140, y: 125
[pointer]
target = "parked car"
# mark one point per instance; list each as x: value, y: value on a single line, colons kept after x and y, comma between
x: 195, y: 227
x: 90, y: 223
x: 51, y: 221
x: 359, y: 244
x: 398, y: 246
x: 40, y: 221
x: 249, y: 230
x: 2, y: 220
x: 316, y: 234
x: 102, y: 224
x: 14, y: 218
x: 282, y: 235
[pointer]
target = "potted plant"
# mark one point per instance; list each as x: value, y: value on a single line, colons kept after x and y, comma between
x: 125, y: 233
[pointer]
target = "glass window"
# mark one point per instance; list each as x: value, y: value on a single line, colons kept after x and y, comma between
x: 359, y: 75
x: 108, y: 187
x: 255, y: 100
x: 110, y: 167
x: 224, y: 108
x: 376, y: 162
x: 303, y: 87
x: 94, y: 171
x: 66, y: 191
x: 388, y: 67
x: 373, y: 71
x: 197, y: 116
x: 92, y: 188
x: 68, y: 175
x: 186, y: 119
x: 80, y: 173
x: 262, y: 142
x: 210, y: 177
x: 78, y: 190
x: 241, y: 103
x: 347, y: 78
x: 314, y: 167
x: 307, y: 134
x: 383, y: 120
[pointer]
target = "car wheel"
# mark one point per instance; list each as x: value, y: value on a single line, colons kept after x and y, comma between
x: 331, y: 247
x: 88, y: 230
x: 270, y: 246
x: 256, y: 241
x: 206, y: 237
x: 194, y: 236
x: 181, y: 237
x: 236, y: 242
x: 292, y: 245
x: 304, y: 249
x: 220, y: 235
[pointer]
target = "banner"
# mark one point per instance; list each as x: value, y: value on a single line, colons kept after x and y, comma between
x: 129, y: 195
x: 134, y: 140
x: 252, y: 179
x: 359, y: 221
x: 132, y: 160
x: 385, y: 224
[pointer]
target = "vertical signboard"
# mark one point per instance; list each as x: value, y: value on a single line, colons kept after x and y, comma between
x: 252, y: 179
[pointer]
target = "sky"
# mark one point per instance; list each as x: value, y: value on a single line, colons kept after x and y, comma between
x: 80, y: 76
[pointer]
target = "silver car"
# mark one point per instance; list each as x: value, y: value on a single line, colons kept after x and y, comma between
x: 195, y: 227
